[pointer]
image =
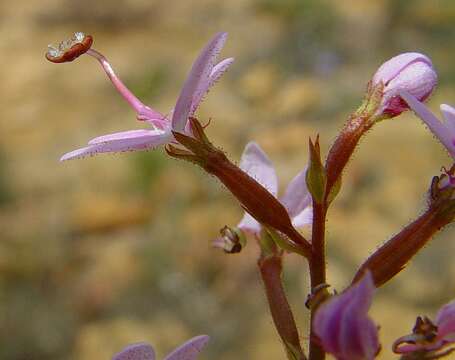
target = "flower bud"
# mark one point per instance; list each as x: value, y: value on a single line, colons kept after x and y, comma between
x: 411, y: 72
x: 343, y: 326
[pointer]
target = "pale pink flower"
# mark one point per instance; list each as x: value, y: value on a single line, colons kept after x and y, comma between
x: 203, y: 75
x: 444, y: 130
x: 412, y: 72
x: 343, y: 325
x: 296, y: 199
x: 143, y: 351
x: 428, y: 337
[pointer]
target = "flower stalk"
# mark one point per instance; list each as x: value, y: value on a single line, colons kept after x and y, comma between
x: 393, y: 256
x: 270, y: 267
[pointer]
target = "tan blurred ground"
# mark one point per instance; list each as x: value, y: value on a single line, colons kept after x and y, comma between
x: 101, y: 252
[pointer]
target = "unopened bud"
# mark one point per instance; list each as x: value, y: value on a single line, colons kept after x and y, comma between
x: 231, y: 241
x: 412, y: 72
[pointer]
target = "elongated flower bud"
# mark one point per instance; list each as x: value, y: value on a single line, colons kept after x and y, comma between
x: 411, y: 72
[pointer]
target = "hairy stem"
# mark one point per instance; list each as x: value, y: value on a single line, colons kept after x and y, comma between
x: 317, y: 268
x: 343, y: 148
x: 337, y: 159
x: 393, y: 256
x: 270, y: 267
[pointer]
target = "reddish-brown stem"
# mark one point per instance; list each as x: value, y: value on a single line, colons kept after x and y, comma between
x: 270, y: 267
x: 343, y: 147
x: 317, y: 268
x: 393, y: 256
x: 317, y: 263
x: 337, y: 158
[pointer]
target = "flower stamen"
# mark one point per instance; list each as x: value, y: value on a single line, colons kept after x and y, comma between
x: 69, y: 49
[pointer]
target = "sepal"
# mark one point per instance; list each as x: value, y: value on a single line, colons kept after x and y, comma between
x: 282, y: 241
x: 316, y: 178
x: 182, y: 154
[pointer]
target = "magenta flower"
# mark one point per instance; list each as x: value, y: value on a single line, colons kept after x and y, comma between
x: 412, y: 72
x: 296, y: 199
x: 444, y: 130
x: 143, y: 351
x: 343, y: 326
x: 430, y: 338
x: 202, y: 77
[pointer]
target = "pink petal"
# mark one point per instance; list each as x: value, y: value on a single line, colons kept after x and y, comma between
x: 297, y: 200
x: 219, y: 69
x: 249, y: 225
x: 146, y: 113
x: 418, y: 79
x: 327, y: 322
x: 139, y: 351
x: 120, y: 145
x: 195, y: 82
x: 362, y: 293
x: 358, y: 333
x: 445, y: 320
x: 449, y: 116
x: 343, y: 325
x: 433, y: 123
x: 304, y: 218
x: 189, y: 350
x: 128, y: 135
x: 255, y: 163
x: 215, y: 75
x: 391, y: 68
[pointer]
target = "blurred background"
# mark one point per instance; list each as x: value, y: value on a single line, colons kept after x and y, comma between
x: 101, y: 252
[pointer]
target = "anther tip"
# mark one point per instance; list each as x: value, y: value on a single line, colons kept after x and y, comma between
x: 69, y: 49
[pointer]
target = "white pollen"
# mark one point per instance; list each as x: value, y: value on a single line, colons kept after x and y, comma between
x: 79, y: 36
x: 56, y: 51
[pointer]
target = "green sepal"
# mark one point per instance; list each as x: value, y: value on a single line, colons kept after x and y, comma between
x: 182, y: 154
x: 198, y: 131
x: 192, y: 144
x: 316, y: 178
x: 292, y: 352
x: 267, y: 244
x: 334, y: 190
x: 282, y: 242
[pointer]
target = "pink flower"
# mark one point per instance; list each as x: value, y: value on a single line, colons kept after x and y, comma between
x: 343, y: 326
x: 296, y: 199
x: 143, y: 351
x: 412, y: 72
x: 202, y: 76
x: 430, y: 338
x: 444, y: 130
